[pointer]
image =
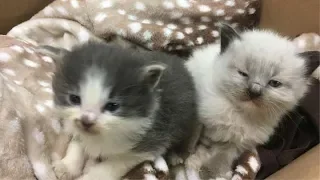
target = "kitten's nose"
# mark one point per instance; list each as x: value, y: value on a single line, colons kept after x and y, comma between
x: 88, y: 119
x: 255, y: 90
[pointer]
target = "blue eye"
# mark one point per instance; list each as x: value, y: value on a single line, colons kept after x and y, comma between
x: 74, y: 99
x: 111, y: 107
x: 274, y: 83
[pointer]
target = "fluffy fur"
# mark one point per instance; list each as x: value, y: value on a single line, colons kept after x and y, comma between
x: 155, y: 107
x: 239, y: 104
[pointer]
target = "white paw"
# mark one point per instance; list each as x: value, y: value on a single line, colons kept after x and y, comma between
x: 150, y: 177
x: 175, y: 160
x: 236, y: 177
x: 161, y: 165
x: 61, y: 170
x: 193, y: 162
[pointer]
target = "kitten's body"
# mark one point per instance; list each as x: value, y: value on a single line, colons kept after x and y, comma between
x: 233, y: 122
x: 156, y: 111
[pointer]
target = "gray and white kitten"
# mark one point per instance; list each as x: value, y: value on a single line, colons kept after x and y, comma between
x: 122, y: 105
x: 244, y: 85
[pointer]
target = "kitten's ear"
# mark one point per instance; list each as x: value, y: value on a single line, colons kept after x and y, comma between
x: 151, y: 74
x: 228, y: 34
x: 55, y: 53
x: 312, y: 59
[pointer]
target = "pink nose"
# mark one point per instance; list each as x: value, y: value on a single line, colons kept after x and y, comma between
x: 88, y: 119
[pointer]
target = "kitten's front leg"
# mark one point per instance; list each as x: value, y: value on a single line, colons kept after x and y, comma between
x: 113, y: 168
x: 195, y: 161
x: 72, y: 164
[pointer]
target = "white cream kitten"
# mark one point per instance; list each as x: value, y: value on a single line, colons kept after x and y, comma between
x: 244, y: 85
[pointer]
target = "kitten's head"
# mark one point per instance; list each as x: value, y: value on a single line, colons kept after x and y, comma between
x: 262, y: 71
x: 101, y: 89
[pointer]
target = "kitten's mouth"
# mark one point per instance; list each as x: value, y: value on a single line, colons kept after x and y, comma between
x: 85, y: 128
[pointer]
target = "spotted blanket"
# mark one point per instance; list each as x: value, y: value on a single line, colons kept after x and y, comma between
x: 29, y: 129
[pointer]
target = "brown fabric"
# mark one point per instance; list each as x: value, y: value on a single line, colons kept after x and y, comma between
x: 157, y: 25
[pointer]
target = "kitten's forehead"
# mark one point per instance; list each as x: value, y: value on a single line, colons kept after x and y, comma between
x: 93, y: 88
x: 265, y: 52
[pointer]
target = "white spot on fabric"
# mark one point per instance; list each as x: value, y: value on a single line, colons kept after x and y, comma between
x: 215, y: 33
x: 83, y: 36
x: 100, y: 17
x: 150, y: 45
x: 168, y: 4
x: 4, y: 57
x: 18, y: 82
x: 122, y: 32
x: 199, y: 40
x: 135, y: 27
x: 48, y: 90
x: 17, y: 48
x: 172, y: 26
x: 29, y: 50
x: 185, y: 20
x: 146, y: 21
x: 240, y: 11
x: 147, y: 35
x: 216, y: 0
x: 236, y: 177
x: 44, y: 83
x: 234, y: 25
x: 240, y: 169
x: 183, y: 3
x: 40, y: 170
x: 159, y: 23
x: 40, y: 108
x: 11, y: 88
x: 62, y: 10
x: 205, y: 19
x: 227, y: 18
x: 220, y: 12
x: 179, y: 47
x: 132, y: 17
x: 14, y: 125
x: 230, y: 3
x: 38, y: 136
x: 121, y: 12
x: 48, y: 11
x: 167, y: 32
x: 204, y: 8
x: 48, y: 103
x: 252, y: 10
x: 106, y: 4
x: 188, y: 30
x: 47, y: 59
x: 176, y: 15
x: 75, y: 4
x: 9, y: 72
x: 254, y: 164
x: 140, y: 6
x: 190, y: 43
x: 56, y: 125
x: 30, y: 63
x: 202, y: 27
x: 180, y: 35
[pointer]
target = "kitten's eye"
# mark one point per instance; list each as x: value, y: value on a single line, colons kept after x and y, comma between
x: 111, y: 107
x: 274, y: 83
x: 74, y: 99
x: 243, y: 73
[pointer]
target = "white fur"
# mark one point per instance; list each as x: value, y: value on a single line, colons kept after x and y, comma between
x: 231, y: 124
